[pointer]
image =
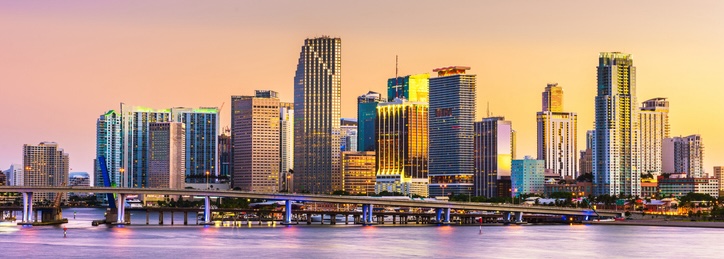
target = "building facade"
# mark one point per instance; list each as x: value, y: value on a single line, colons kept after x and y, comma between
x: 414, y: 88
x: 108, y: 145
x: 14, y: 175
x: 494, y: 150
x: 45, y: 164
x: 135, y: 121
x: 348, y: 139
x: 167, y: 155
x: 225, y: 155
x: 255, y: 136
x: 451, y: 120
x: 402, y: 147
x: 286, y: 142
x: 317, y: 114
x: 366, y: 117
x: 616, y: 158
x: 202, y: 133
x: 557, y: 134
x: 719, y: 174
x: 678, y: 186
x: 683, y: 155
x: 654, y: 123
x: 527, y: 176
x: 358, y: 169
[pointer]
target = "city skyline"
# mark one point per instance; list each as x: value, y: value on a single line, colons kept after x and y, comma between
x: 679, y: 60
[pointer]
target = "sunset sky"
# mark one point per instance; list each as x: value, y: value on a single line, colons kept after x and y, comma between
x: 64, y: 63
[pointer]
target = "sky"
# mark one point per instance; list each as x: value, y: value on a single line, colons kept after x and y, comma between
x: 64, y: 63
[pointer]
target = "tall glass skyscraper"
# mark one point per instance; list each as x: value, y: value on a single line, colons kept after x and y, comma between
x: 366, y: 116
x: 616, y: 158
x: 494, y: 150
x: 317, y: 114
x: 286, y: 145
x: 108, y: 144
x: 557, y: 138
x: 135, y: 122
x: 202, y: 133
x: 414, y: 88
x: 402, y: 147
x: 654, y: 122
x: 452, y: 117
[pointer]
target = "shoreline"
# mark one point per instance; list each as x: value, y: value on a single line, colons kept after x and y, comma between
x: 660, y: 223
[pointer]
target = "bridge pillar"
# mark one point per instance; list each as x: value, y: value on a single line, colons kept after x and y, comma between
x: 30, y: 209
x: 121, y: 209
x: 447, y: 215
x: 364, y: 213
x: 25, y: 208
x: 207, y: 209
x: 309, y: 218
x: 519, y: 217
x: 288, y: 212
x: 438, y: 215
x: 506, y: 217
x: 370, y: 209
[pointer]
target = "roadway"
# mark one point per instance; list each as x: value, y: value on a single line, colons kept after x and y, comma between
x: 321, y: 198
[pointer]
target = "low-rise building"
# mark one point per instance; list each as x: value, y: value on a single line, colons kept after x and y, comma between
x: 578, y: 189
x: 527, y: 176
x: 358, y: 172
x: 678, y: 186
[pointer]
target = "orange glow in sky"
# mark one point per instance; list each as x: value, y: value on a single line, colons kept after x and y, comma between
x: 64, y: 63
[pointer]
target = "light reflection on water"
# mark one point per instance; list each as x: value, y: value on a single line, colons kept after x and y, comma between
x: 350, y: 241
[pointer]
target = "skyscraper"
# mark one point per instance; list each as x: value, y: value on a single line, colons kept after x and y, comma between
x: 414, y: 88
x: 557, y: 138
x: 286, y: 142
x: 135, y: 122
x: 202, y: 132
x: 683, y: 155
x: 616, y: 158
x: 167, y: 148
x: 494, y: 149
x: 366, y: 116
x: 14, y: 175
x: 402, y: 147
x: 108, y: 145
x: 45, y: 165
x: 452, y: 115
x: 654, y: 123
x: 255, y: 137
x: 225, y: 155
x: 317, y: 114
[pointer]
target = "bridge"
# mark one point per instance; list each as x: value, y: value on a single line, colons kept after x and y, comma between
x: 441, y: 207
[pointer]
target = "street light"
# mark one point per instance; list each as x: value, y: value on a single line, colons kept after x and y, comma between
x: 207, y: 180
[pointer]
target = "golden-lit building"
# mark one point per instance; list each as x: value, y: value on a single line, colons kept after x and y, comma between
x: 494, y: 151
x: 402, y: 147
x: 358, y: 170
x: 654, y: 123
x: 649, y: 187
x: 557, y: 138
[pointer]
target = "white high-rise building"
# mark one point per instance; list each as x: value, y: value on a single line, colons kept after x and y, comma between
x: 654, y: 123
x: 286, y: 142
x: 557, y: 138
x: 45, y: 165
x: 683, y: 155
x: 616, y: 158
x: 14, y: 175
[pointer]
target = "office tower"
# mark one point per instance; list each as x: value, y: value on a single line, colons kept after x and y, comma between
x: 255, y: 137
x: 494, y: 149
x: 45, y: 165
x: 366, y: 116
x: 402, y: 147
x: 108, y: 145
x: 317, y: 113
x: 585, y: 162
x: 452, y: 115
x: 654, y: 123
x: 348, y: 138
x: 358, y: 169
x: 286, y: 142
x: 202, y: 132
x: 683, y: 155
x: 616, y: 158
x: 135, y: 122
x: 414, y: 88
x: 527, y: 176
x: 719, y: 174
x: 225, y: 155
x: 14, y: 175
x: 557, y: 134
x: 166, y: 155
